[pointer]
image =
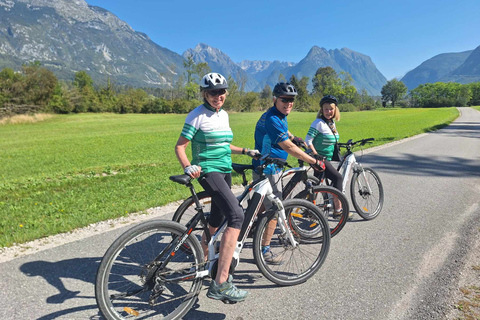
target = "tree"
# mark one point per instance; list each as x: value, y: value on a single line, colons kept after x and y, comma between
x: 37, y: 86
x: 266, y: 92
x: 301, y: 101
x: 326, y: 81
x: 394, y: 91
x: 82, y: 80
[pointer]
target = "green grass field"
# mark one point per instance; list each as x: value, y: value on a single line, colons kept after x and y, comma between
x: 73, y: 170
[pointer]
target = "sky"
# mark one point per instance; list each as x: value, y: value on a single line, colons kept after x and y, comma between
x: 397, y: 35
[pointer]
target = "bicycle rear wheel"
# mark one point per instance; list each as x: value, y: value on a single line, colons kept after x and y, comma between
x: 328, y: 200
x: 186, y: 211
x: 366, y: 191
x: 131, y: 283
x: 300, y: 262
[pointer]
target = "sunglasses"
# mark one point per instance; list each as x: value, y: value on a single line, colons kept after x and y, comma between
x: 287, y: 100
x: 219, y: 92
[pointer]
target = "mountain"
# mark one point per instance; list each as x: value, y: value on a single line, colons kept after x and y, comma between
x: 436, y: 68
x: 468, y: 71
x: 262, y: 69
x: 67, y: 36
x: 70, y: 35
x: 221, y: 63
x: 363, y: 71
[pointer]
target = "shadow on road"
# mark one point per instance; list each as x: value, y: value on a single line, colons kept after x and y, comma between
x: 429, y: 166
x: 85, y: 270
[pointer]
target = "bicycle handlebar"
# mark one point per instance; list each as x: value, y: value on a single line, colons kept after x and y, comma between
x: 185, y: 179
x: 350, y: 143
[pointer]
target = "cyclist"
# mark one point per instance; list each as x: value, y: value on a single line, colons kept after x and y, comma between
x: 272, y: 137
x: 208, y: 128
x: 322, y: 138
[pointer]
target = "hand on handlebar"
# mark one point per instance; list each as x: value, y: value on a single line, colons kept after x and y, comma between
x: 298, y: 141
x: 255, y: 154
x: 319, y: 165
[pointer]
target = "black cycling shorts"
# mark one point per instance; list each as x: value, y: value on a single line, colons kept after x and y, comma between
x: 224, y: 202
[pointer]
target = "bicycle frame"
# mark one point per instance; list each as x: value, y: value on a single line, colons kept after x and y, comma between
x: 298, y: 174
x: 253, y: 196
x: 345, y: 167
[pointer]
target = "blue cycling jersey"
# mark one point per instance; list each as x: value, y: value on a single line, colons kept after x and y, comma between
x: 271, y: 128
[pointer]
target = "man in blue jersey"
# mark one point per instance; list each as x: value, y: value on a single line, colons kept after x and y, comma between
x: 272, y: 137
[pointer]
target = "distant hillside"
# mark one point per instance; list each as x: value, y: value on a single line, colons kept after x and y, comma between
x: 363, y: 71
x: 261, y: 70
x: 359, y: 66
x: 68, y: 36
x: 468, y: 71
x: 435, y: 69
x: 220, y: 62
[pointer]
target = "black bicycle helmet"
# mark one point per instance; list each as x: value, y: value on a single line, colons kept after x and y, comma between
x: 328, y: 99
x: 284, y: 89
x: 213, y: 81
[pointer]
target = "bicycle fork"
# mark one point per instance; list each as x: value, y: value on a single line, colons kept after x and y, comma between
x: 359, y: 169
x: 282, y: 219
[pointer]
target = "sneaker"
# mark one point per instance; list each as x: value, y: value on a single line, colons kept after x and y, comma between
x: 272, y: 258
x: 338, y: 215
x: 226, y: 292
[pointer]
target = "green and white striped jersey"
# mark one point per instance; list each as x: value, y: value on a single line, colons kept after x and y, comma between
x: 322, y: 138
x: 210, y: 134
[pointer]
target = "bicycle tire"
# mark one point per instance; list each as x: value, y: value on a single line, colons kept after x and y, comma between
x: 367, y: 204
x: 322, y: 196
x: 186, y: 211
x: 298, y: 263
x: 127, y: 262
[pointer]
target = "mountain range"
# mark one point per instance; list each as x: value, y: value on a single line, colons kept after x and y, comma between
x: 67, y: 36
x: 462, y: 67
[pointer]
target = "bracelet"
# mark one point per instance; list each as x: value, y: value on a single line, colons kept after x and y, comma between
x: 243, y: 150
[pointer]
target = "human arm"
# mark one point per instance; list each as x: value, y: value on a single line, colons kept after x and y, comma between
x: 180, y: 151
x: 296, y: 152
x: 247, y: 151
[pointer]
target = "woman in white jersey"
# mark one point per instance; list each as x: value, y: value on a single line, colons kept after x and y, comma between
x: 207, y: 128
x: 321, y: 139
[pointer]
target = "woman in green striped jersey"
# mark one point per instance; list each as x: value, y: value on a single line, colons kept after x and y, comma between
x: 207, y: 127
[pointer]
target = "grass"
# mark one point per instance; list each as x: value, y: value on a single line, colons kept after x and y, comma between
x: 476, y: 107
x: 69, y: 171
x: 23, y: 118
x: 469, y: 305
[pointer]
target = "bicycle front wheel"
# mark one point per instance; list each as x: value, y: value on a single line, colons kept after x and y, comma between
x: 292, y: 263
x: 132, y: 283
x: 330, y: 201
x: 366, y: 191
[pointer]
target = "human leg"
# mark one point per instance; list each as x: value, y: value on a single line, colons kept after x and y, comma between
x: 218, y: 185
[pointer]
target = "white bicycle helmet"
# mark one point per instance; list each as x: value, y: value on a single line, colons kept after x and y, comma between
x: 213, y: 81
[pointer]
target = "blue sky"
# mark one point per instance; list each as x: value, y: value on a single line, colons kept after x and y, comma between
x: 397, y: 35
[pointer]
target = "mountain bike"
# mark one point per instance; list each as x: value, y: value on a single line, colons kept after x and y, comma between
x: 156, y: 269
x: 366, y: 189
x: 296, y: 184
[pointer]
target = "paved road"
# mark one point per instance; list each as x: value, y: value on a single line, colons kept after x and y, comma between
x: 402, y: 265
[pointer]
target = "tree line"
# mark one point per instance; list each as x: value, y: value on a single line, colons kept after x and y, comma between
x: 431, y: 95
x: 36, y: 89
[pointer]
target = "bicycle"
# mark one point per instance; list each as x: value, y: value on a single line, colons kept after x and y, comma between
x: 156, y: 269
x: 366, y: 189
x: 298, y: 184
